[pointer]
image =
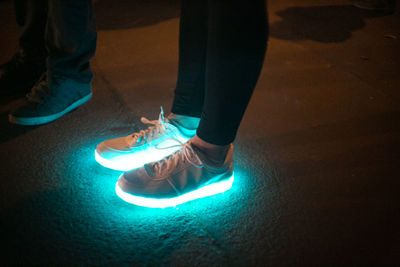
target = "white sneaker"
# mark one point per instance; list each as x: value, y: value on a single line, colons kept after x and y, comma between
x: 180, y: 177
x: 135, y: 150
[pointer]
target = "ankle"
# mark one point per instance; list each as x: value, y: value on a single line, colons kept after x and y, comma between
x: 216, y: 154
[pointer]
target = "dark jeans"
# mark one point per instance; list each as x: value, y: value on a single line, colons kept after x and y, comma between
x: 221, y: 52
x: 64, y: 31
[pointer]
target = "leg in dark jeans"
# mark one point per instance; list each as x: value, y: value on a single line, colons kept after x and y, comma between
x: 71, y: 39
x: 67, y: 28
x: 61, y: 31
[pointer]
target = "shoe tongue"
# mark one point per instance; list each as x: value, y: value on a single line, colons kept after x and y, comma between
x: 149, y: 167
x: 194, y: 158
x: 201, y: 155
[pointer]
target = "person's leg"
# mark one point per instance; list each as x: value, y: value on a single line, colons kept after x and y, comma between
x: 237, y: 40
x: 71, y: 42
x: 18, y: 75
x: 71, y: 39
x: 237, y: 37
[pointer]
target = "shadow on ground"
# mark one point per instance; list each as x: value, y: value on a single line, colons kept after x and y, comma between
x: 326, y: 24
x: 84, y: 221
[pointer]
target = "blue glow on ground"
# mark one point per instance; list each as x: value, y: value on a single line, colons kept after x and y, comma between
x: 205, y: 191
x: 146, y: 154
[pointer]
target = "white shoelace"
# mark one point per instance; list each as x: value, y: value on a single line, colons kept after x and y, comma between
x: 147, y: 135
x: 185, y: 153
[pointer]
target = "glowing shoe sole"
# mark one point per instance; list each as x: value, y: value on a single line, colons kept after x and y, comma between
x: 130, y: 161
x: 205, y: 191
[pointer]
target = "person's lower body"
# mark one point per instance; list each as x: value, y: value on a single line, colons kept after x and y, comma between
x: 222, y: 47
x: 64, y: 34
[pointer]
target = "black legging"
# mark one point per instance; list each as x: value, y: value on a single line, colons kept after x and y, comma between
x: 221, y: 52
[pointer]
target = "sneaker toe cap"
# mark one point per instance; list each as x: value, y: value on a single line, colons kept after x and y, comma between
x: 25, y: 109
x: 134, y: 181
x: 138, y: 183
x: 113, y: 147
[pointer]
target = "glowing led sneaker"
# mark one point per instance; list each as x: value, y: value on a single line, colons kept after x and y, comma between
x: 180, y: 177
x: 135, y: 150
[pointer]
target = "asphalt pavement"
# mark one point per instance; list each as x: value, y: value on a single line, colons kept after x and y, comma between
x: 317, y: 156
